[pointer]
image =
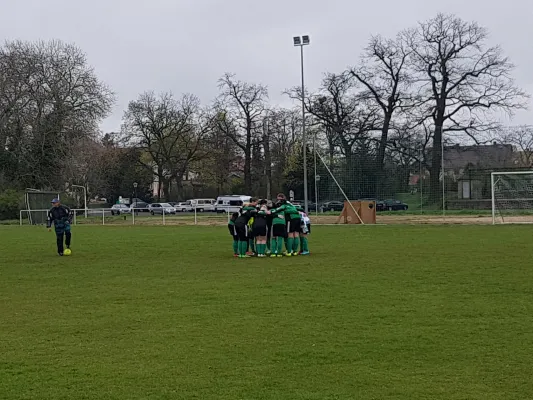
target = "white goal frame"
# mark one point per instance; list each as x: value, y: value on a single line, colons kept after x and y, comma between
x: 493, y: 180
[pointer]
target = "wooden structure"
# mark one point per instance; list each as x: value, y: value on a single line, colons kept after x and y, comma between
x: 358, y: 212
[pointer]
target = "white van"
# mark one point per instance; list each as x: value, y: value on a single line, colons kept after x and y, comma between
x: 230, y: 203
x: 203, y: 205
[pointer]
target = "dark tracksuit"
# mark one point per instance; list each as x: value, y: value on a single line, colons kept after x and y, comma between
x: 61, y: 217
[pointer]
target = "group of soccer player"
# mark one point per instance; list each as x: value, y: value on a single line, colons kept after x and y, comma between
x: 262, y: 229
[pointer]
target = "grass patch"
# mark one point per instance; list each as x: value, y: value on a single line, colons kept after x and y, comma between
x: 384, y: 312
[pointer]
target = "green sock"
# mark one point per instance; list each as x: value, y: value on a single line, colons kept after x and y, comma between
x: 252, y: 245
x: 301, y: 243
x: 262, y: 250
x: 242, y: 248
x: 289, y: 245
x: 305, y: 244
x: 235, y: 247
x: 268, y: 244
x: 295, y: 245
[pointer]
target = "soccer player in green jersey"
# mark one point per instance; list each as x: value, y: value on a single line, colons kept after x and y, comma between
x: 252, y: 207
x: 293, y: 224
x: 233, y: 233
x: 241, y: 227
x: 279, y: 232
x: 260, y: 228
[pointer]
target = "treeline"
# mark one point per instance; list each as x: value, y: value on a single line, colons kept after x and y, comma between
x: 438, y: 81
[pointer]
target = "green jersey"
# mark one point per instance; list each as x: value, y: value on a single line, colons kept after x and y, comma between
x: 289, y: 210
x: 278, y: 218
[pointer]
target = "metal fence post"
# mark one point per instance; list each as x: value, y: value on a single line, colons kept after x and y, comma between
x: 163, y: 215
x: 20, y: 215
x: 103, y: 216
x: 195, y: 216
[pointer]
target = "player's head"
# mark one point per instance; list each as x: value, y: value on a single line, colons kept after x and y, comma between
x: 55, y: 202
x: 253, y: 201
x: 234, y: 216
x: 280, y: 197
x: 263, y: 202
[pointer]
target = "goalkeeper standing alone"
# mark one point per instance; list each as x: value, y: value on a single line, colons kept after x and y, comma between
x: 61, y: 217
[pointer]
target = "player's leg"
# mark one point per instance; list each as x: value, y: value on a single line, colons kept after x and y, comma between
x: 290, y: 240
x: 242, y: 232
x: 264, y: 235
x: 296, y: 229
x: 68, y: 236
x: 274, y: 239
x: 233, y: 233
x: 251, y: 243
x: 235, y: 245
x: 304, y: 238
x: 268, y: 239
x: 261, y: 246
x: 60, y: 233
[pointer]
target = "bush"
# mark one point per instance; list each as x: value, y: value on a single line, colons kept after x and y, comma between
x: 11, y: 202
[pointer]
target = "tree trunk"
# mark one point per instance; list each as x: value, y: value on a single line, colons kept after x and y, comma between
x: 248, y: 170
x: 159, y: 182
x: 380, y: 183
x: 435, y: 188
x: 248, y: 160
x: 166, y: 188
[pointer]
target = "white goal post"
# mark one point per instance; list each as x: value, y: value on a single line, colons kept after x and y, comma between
x: 512, y: 197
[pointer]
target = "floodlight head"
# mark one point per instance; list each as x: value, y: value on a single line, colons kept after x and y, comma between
x: 306, y: 40
x: 297, y: 40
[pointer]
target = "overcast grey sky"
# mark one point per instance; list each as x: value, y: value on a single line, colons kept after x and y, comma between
x: 186, y: 45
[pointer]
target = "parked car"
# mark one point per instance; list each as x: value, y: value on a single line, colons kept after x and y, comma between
x: 391, y: 205
x: 160, y: 208
x: 185, y: 206
x: 333, y: 206
x: 173, y: 203
x: 140, y: 206
x: 118, y: 209
x: 230, y: 203
x: 203, y: 205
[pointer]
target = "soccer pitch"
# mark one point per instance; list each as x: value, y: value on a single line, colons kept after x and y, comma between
x: 382, y: 312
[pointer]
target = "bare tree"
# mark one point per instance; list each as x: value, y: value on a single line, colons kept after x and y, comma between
x: 521, y: 137
x: 50, y: 97
x: 284, y: 133
x: 350, y: 116
x: 383, y: 74
x: 219, y: 154
x: 461, y: 81
x: 170, y: 131
x: 243, y: 105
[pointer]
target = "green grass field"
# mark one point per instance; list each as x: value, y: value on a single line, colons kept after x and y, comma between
x: 382, y: 312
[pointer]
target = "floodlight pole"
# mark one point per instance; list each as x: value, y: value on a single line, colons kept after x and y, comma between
x: 84, y: 196
x: 316, y: 176
x: 301, y: 42
x: 443, y: 177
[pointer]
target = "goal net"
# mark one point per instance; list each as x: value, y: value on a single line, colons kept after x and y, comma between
x: 37, y: 205
x: 512, y: 197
